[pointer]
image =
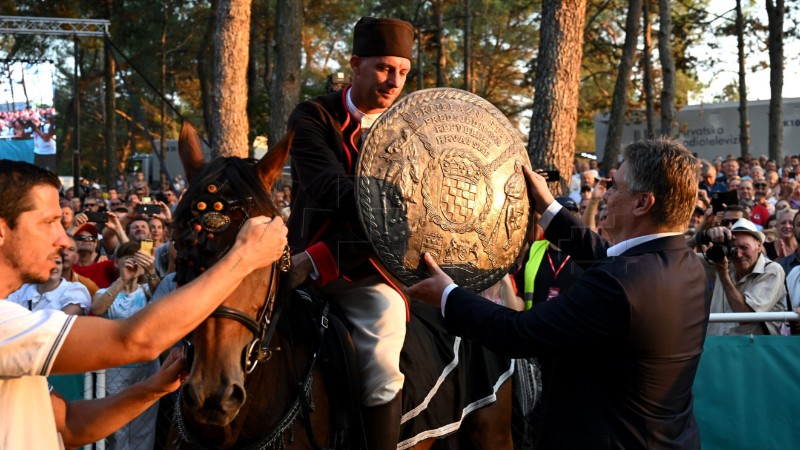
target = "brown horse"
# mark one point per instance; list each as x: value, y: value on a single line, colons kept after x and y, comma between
x: 240, y: 353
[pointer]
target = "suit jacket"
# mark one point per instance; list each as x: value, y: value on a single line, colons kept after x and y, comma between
x: 622, y: 345
x: 324, y: 220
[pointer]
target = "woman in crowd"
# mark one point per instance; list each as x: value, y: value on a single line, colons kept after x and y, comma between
x: 786, y: 242
x: 159, y: 231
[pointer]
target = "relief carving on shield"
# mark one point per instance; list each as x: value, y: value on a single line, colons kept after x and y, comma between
x: 441, y: 172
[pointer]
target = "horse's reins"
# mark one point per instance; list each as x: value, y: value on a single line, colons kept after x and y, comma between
x: 263, y: 327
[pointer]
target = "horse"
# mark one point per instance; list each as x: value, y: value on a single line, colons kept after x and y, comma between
x: 228, y: 399
x: 240, y: 353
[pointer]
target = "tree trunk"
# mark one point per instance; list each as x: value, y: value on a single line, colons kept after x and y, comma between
x: 554, y: 120
x: 744, y: 124
x: 775, y: 13
x: 252, y: 69
x: 285, y: 89
x: 441, y: 58
x: 667, y: 69
x: 268, y: 32
x: 619, y: 101
x: 162, y: 145
x: 203, y: 72
x: 647, y: 70
x: 109, y: 130
x: 467, y: 45
x: 420, y: 70
x: 231, y: 53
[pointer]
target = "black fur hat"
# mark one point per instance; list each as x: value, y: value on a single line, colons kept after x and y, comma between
x: 383, y: 37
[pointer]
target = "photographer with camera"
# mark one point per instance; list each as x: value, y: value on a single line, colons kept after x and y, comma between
x: 744, y: 280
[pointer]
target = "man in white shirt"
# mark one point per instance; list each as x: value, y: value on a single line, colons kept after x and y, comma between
x: 744, y: 281
x: 36, y: 344
x: 55, y: 293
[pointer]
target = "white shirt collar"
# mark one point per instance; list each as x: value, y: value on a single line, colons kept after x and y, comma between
x: 622, y: 247
x: 366, y: 120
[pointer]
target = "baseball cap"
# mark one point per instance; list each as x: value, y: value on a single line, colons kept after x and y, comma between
x: 87, y: 227
x: 746, y: 226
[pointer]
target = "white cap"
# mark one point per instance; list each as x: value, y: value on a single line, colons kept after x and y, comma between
x: 745, y: 226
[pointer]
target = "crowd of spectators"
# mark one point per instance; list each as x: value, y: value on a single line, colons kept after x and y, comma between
x: 103, y: 221
x: 22, y: 124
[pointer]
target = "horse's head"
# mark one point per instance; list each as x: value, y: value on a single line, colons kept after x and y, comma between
x: 221, y: 196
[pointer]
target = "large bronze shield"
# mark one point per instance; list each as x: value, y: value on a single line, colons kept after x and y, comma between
x: 441, y: 172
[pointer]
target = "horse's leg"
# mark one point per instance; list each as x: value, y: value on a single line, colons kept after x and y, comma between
x: 489, y: 428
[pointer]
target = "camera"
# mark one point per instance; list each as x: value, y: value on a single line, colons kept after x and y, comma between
x: 148, y: 209
x: 720, y: 251
x: 549, y: 175
x: 720, y: 200
x: 97, y: 217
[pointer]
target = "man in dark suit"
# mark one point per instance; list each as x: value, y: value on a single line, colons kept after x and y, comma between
x: 626, y: 339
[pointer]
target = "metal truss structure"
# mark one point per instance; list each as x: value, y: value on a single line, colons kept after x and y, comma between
x: 56, y: 26
x: 53, y: 26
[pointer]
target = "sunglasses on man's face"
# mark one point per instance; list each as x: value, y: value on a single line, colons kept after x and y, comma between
x: 760, y: 185
x: 84, y: 238
x: 727, y: 222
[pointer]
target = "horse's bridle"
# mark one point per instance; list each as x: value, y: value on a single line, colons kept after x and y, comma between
x: 263, y: 327
x: 212, y: 215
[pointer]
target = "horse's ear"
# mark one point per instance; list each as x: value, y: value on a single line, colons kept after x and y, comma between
x: 270, y: 167
x: 190, y: 150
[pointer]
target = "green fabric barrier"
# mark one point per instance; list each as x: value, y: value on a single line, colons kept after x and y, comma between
x: 69, y: 386
x: 17, y: 150
x: 747, y: 393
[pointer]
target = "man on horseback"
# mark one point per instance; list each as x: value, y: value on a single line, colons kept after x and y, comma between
x: 324, y: 232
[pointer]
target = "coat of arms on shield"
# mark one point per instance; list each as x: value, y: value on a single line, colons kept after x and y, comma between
x: 441, y: 172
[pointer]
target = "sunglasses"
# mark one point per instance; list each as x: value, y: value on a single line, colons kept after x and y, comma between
x: 727, y: 222
x: 88, y: 205
x: 84, y: 238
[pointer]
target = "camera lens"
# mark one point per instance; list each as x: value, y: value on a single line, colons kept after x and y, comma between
x: 718, y: 252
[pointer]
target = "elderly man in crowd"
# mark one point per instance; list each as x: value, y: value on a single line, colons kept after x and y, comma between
x: 708, y: 179
x: 745, y: 281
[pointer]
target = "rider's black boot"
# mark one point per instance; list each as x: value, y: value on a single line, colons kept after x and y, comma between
x: 382, y: 424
